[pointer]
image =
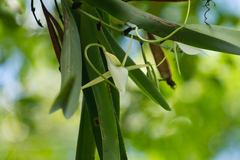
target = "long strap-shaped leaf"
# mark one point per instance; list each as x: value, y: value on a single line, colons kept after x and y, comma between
x: 92, y: 110
x: 94, y: 119
x: 71, y: 64
x: 85, y: 144
x: 199, y: 35
x: 116, y: 100
x: 108, y: 125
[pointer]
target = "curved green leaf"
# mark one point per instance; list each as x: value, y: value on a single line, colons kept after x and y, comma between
x: 63, y: 97
x: 215, y: 38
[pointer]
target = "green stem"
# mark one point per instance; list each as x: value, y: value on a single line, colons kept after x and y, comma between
x: 145, y: 61
x: 90, y: 63
x: 121, y: 32
x: 188, y: 11
x: 129, y: 47
x: 97, y: 20
x: 160, y: 40
x: 154, y: 74
x: 175, y: 52
x: 164, y: 57
x: 106, y: 42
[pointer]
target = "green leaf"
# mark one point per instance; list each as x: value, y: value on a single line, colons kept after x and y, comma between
x: 116, y: 100
x: 105, y: 108
x: 71, y: 62
x: 85, y: 145
x: 94, y: 119
x: 215, y: 38
x: 88, y: 97
x: 62, y: 99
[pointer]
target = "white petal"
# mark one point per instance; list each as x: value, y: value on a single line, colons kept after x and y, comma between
x: 120, y: 78
x: 119, y: 73
x: 189, y: 49
x: 112, y: 59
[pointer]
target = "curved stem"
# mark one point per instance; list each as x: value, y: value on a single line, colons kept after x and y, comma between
x: 188, y: 11
x: 160, y: 40
x: 126, y: 55
x: 106, y: 41
x: 100, y: 74
x: 164, y: 57
x: 154, y: 74
x: 175, y: 52
x: 146, y: 62
x: 97, y: 20
x: 144, y: 57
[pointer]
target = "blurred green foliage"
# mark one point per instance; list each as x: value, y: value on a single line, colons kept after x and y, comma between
x: 204, y: 122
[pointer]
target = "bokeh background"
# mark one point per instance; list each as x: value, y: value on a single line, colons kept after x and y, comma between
x: 203, y: 125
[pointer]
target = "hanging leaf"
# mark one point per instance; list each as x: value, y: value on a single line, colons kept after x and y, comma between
x: 71, y: 63
x: 63, y: 97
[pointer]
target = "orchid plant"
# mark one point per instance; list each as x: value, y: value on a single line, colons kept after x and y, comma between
x: 116, y: 69
x: 87, y: 27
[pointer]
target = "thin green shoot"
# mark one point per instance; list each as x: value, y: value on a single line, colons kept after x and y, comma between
x: 188, y: 11
x: 160, y: 40
x: 175, y: 52
x: 97, y: 20
x: 164, y: 57
x: 92, y: 66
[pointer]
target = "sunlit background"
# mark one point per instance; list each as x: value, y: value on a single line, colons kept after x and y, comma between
x: 203, y: 125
